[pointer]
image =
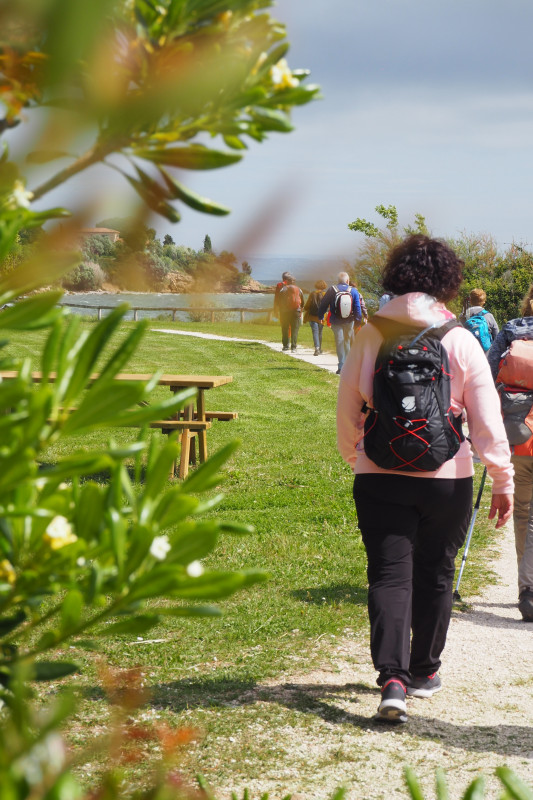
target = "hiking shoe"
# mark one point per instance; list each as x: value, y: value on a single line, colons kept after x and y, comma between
x: 425, y: 686
x: 293, y: 349
x: 285, y: 348
x: 317, y: 352
x: 393, y: 707
x: 525, y: 605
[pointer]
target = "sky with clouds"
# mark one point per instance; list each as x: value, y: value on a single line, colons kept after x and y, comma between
x: 426, y: 105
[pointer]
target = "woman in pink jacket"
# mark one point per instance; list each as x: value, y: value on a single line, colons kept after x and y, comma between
x: 414, y: 522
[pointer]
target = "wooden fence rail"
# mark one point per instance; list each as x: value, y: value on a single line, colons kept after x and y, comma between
x: 211, y: 311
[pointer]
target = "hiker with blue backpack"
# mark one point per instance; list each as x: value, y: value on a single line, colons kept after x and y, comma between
x: 479, y: 321
x: 511, y: 362
x: 343, y: 302
x: 410, y: 376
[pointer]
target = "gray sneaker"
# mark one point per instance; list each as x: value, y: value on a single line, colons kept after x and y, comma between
x: 525, y: 605
x: 393, y: 707
x: 425, y: 686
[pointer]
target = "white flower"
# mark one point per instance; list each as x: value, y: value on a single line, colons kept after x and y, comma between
x: 45, y: 758
x: 20, y: 198
x: 59, y: 533
x: 282, y: 77
x: 195, y: 569
x: 160, y: 547
x: 81, y: 562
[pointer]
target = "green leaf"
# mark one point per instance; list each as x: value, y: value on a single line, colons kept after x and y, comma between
x: 52, y: 670
x: 154, y: 201
x: 173, y: 507
x: 157, y: 476
x: 51, y: 351
x: 71, y: 609
x: 441, y: 785
x: 234, y: 142
x: 412, y: 784
x: 162, y: 410
x: 275, y: 55
x: 216, y: 585
x: 180, y: 192
x: 195, y: 156
x: 159, y: 582
x: 298, y: 96
x: 132, y: 626
x: 516, y: 788
x: 207, y: 474
x: 195, y: 545
x: 88, y: 514
x: 272, y: 120
x: 91, y: 350
x: 476, y: 790
x: 32, y: 313
x: 122, y: 354
x: 118, y: 539
x: 101, y: 406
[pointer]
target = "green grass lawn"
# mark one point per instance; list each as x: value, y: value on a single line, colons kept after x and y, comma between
x: 289, y: 482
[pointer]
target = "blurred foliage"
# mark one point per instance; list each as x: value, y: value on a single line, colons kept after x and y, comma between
x: 372, y: 254
x: 150, y: 82
x: 504, y: 276
x: 514, y: 787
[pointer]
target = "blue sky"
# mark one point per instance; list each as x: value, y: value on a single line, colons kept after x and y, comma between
x: 427, y: 106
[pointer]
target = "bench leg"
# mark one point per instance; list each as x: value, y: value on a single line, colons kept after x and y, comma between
x: 202, y: 435
x: 185, y: 454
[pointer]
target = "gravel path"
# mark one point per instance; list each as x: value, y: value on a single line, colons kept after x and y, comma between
x: 481, y: 720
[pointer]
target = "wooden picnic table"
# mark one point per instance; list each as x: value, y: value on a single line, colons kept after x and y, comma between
x: 192, y: 421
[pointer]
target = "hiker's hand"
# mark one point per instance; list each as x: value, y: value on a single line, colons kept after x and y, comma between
x: 503, y: 504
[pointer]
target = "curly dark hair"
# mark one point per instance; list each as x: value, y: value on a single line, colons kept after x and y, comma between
x: 421, y: 264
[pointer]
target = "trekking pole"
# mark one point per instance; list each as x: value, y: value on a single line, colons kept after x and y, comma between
x: 456, y: 595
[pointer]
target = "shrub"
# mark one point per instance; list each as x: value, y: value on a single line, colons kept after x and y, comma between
x: 86, y: 277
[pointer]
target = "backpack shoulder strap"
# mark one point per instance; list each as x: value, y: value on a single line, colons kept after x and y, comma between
x: 442, y: 330
x: 389, y: 328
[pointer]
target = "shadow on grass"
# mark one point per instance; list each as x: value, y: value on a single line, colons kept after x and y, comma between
x: 336, y: 704
x: 333, y: 594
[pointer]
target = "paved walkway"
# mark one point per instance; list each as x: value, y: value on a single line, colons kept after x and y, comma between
x: 325, y: 361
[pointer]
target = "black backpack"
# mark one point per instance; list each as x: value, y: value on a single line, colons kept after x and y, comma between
x: 411, y: 427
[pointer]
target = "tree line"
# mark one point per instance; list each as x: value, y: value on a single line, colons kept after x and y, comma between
x: 139, y: 261
x: 505, y: 275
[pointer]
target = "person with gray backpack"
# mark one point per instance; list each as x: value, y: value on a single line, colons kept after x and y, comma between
x: 409, y: 378
x: 479, y: 321
x: 511, y: 361
x: 343, y: 302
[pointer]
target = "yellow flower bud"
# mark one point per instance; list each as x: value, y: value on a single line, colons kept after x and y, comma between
x: 7, y: 572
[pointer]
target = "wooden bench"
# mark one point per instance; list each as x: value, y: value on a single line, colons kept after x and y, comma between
x: 193, y: 421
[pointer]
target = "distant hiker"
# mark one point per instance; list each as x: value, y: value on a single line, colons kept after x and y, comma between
x: 479, y: 321
x: 291, y: 301
x: 312, y: 304
x: 513, y: 373
x: 364, y: 309
x: 343, y: 303
x: 279, y: 286
x: 411, y: 374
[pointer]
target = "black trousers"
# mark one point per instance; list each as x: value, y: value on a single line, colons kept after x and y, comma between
x: 412, y: 529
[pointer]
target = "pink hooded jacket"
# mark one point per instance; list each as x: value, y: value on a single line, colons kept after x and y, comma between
x: 472, y: 389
